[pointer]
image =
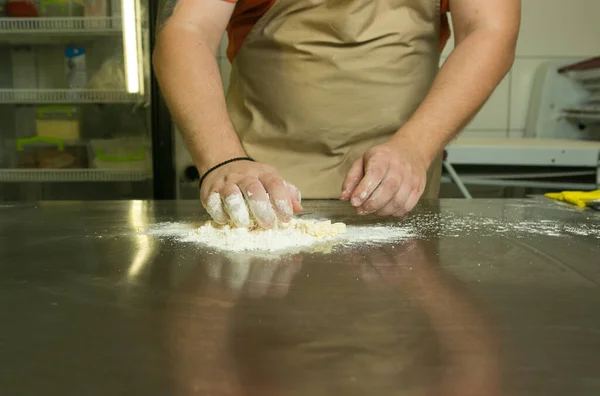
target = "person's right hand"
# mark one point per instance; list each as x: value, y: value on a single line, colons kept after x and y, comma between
x: 243, y: 190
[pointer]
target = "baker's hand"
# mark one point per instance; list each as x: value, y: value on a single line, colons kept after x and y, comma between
x: 388, y: 179
x: 243, y: 190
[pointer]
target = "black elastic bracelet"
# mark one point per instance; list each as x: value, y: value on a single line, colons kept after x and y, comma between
x: 220, y: 165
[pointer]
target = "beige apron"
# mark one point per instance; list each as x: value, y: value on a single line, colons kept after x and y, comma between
x: 318, y: 82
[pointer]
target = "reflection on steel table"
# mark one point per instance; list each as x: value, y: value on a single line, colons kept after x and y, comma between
x: 89, y: 305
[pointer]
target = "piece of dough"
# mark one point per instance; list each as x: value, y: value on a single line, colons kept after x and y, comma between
x: 319, y: 229
x: 322, y: 229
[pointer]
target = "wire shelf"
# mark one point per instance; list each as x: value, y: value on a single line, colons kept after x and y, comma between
x: 588, y: 114
x: 73, y: 175
x: 59, y: 25
x: 24, y: 96
x: 582, y: 117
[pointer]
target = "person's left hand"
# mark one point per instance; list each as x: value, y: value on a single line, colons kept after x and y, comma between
x: 388, y: 179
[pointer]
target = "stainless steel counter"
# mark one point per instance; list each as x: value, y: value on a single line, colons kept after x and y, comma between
x: 496, y: 297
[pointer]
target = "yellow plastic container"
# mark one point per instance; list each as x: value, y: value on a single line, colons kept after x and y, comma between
x: 57, y: 122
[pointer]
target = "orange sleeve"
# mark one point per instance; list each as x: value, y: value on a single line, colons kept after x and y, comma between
x: 445, y: 31
x: 243, y: 19
x: 445, y: 6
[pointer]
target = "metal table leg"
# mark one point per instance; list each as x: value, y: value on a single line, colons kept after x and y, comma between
x: 456, y: 179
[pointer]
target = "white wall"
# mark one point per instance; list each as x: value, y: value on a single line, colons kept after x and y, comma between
x: 550, y: 30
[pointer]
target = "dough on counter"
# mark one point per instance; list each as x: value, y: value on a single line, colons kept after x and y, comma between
x: 318, y: 229
x: 296, y: 234
x: 321, y: 229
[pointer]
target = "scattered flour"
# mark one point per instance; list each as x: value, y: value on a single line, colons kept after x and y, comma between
x: 298, y: 234
x: 284, y: 206
x: 262, y: 210
x: 170, y: 229
x: 313, y: 235
x: 214, y: 207
x: 318, y: 236
x: 453, y: 225
x: 235, y: 205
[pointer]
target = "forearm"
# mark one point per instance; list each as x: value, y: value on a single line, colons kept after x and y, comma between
x: 464, y: 83
x: 190, y: 80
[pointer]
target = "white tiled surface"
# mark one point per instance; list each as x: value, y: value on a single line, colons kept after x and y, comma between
x: 515, y: 133
x: 560, y: 28
x: 522, y: 77
x: 550, y: 30
x: 487, y: 133
x: 494, y: 115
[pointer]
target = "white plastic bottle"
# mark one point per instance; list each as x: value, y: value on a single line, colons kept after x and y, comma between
x: 75, y: 68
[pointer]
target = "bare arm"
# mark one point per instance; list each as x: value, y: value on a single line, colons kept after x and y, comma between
x: 188, y: 38
x: 189, y: 34
x: 391, y: 177
x: 486, y: 36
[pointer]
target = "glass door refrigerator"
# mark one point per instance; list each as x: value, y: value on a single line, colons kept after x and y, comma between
x: 81, y: 117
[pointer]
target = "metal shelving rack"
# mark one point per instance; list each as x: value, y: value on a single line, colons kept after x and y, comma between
x: 72, y: 175
x: 565, y: 101
x: 33, y: 31
x: 587, y: 75
x: 39, y: 96
x: 561, y: 148
x: 71, y: 25
x: 56, y: 31
x: 43, y: 31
